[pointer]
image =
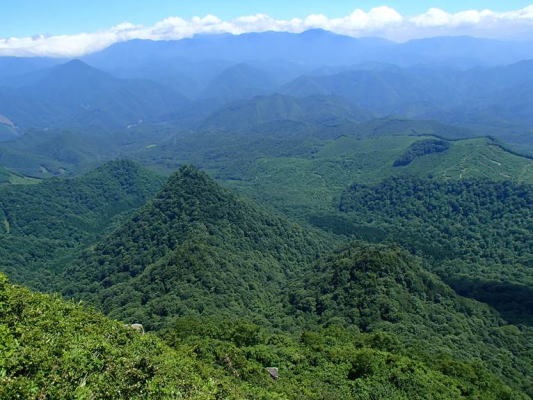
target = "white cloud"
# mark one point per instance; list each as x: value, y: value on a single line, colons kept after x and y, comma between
x: 380, y: 21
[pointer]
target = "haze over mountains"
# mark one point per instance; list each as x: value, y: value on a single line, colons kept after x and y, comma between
x: 193, y: 83
x: 289, y: 216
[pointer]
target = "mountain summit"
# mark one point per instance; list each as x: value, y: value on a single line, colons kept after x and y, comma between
x: 195, y: 248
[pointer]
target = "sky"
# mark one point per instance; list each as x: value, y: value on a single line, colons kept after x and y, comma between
x: 74, y: 27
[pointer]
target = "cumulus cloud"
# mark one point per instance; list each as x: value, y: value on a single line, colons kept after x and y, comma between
x: 380, y: 21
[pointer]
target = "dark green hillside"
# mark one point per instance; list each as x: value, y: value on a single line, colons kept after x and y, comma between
x: 72, y: 152
x: 479, y: 232
x: 194, y: 249
x: 8, y: 177
x: 42, y: 223
x: 413, y: 127
x: 230, y: 286
x: 333, y: 363
x: 419, y: 149
x: 378, y: 288
x: 307, y: 180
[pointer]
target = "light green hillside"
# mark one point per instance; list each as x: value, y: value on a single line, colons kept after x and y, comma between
x: 312, y: 182
x: 9, y: 177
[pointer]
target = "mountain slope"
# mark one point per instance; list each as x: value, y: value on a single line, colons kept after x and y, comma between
x: 389, y: 90
x: 494, y: 100
x: 240, y: 81
x: 379, y: 288
x: 77, y: 95
x: 40, y: 224
x: 194, y: 249
x: 476, y: 232
x: 254, y: 115
x: 9, y: 177
x: 55, y: 349
x: 12, y: 68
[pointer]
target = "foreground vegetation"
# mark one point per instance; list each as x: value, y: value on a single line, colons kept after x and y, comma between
x: 228, y: 288
x: 55, y: 349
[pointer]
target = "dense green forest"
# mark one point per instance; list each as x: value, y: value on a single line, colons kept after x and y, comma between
x: 56, y: 349
x: 267, y: 216
x: 44, y: 223
x: 228, y: 288
x: 248, y: 289
x: 477, y: 233
x: 419, y: 149
x: 196, y: 248
x: 385, y: 289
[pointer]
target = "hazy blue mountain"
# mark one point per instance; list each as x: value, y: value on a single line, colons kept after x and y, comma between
x: 75, y: 94
x: 240, y: 81
x: 463, y: 51
x: 481, y: 97
x: 143, y: 79
x: 392, y: 90
x: 141, y: 59
x: 312, y: 47
x: 315, y: 47
x: 13, y: 67
x: 8, y: 130
x: 251, y: 115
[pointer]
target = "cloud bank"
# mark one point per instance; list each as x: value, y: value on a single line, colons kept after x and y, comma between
x: 383, y: 22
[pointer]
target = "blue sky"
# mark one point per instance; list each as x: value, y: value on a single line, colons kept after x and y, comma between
x: 56, y: 17
x: 72, y: 28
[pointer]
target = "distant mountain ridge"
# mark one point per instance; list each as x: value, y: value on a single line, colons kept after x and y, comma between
x: 276, y: 109
x: 318, y: 47
x: 225, y: 82
x: 75, y: 94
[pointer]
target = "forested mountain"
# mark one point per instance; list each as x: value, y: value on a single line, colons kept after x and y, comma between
x: 342, y: 218
x: 378, y: 288
x: 477, y: 232
x: 252, y: 115
x: 43, y: 223
x: 480, y: 96
x: 194, y: 249
x: 196, y: 254
x: 57, y: 349
x: 8, y: 177
x: 77, y: 95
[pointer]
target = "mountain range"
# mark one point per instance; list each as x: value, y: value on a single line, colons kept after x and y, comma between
x: 74, y: 95
x: 193, y: 83
x: 196, y: 254
x: 268, y: 216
